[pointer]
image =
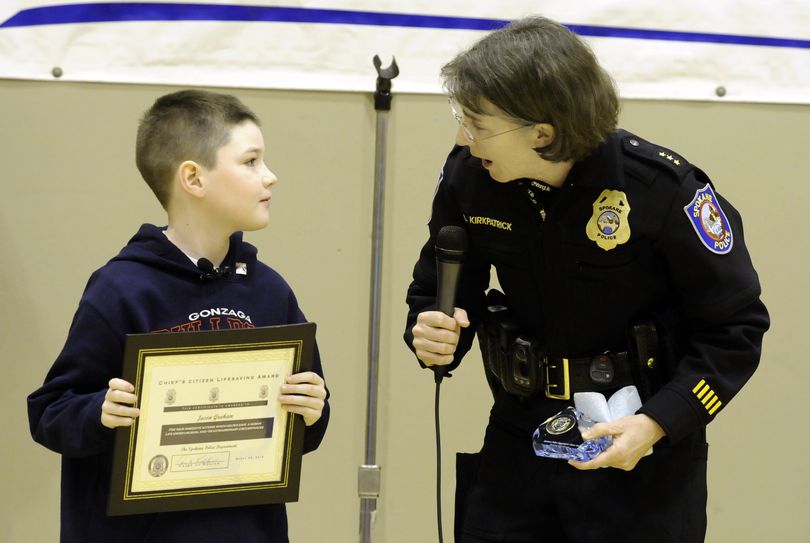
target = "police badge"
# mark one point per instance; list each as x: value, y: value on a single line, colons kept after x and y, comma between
x: 609, y: 226
x: 560, y: 437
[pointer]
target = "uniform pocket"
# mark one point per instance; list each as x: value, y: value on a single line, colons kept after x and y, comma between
x: 590, y: 262
x: 501, y: 248
x: 605, y: 291
x: 467, y: 465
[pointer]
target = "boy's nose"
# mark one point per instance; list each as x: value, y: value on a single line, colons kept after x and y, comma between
x: 269, y: 177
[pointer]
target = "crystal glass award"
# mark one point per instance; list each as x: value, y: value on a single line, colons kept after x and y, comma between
x: 559, y: 437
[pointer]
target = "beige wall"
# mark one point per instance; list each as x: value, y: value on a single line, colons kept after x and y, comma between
x: 71, y: 197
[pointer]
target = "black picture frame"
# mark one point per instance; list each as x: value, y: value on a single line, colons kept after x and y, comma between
x: 144, y: 353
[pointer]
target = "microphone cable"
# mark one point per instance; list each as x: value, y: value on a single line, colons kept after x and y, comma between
x: 438, y: 375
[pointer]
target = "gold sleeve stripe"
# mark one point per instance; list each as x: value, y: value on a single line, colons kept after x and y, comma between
x: 708, y: 398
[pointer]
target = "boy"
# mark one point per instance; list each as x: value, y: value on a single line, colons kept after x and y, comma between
x: 202, y: 154
x: 595, y: 234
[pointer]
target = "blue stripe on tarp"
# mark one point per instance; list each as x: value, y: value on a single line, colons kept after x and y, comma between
x: 126, y: 11
x: 114, y: 12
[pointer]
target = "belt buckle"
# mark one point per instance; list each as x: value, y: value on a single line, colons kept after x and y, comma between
x: 558, y: 385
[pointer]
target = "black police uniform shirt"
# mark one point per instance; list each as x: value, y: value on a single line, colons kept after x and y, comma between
x: 635, y: 231
x: 151, y: 286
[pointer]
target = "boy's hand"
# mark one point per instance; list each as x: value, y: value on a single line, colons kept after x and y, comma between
x: 304, y: 394
x: 114, y: 410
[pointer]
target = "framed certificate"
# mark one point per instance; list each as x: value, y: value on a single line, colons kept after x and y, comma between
x: 211, y: 432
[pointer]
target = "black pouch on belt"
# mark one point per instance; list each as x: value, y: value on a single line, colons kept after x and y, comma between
x: 495, y: 336
x: 647, y: 360
x: 513, y: 362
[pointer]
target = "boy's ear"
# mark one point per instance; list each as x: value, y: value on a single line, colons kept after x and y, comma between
x: 544, y: 134
x: 190, y: 174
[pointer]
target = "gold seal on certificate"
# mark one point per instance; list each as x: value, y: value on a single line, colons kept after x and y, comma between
x: 211, y: 432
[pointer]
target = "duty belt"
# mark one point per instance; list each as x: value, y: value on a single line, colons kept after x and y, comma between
x: 519, y: 365
x: 566, y: 376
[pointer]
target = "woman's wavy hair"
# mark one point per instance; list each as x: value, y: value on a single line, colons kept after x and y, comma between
x: 536, y: 70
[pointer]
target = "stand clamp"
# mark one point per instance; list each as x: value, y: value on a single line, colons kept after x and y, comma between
x: 382, y: 98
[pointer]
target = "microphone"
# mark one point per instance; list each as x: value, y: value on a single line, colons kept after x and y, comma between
x: 450, y: 246
x: 209, y: 271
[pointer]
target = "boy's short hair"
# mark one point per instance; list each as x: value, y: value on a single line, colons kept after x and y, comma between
x: 185, y: 125
x: 536, y: 70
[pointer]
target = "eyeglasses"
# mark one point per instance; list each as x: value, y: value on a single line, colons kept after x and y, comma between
x: 467, y: 133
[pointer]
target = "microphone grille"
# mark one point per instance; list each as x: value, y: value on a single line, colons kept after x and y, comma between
x: 205, y: 265
x: 452, y: 238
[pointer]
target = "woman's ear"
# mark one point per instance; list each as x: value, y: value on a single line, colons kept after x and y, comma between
x: 191, y: 181
x: 544, y: 135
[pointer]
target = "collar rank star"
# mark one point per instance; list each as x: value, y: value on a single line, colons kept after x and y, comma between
x: 709, y: 221
x: 609, y: 224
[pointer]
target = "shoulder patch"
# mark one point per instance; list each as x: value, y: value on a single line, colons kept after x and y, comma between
x: 657, y: 155
x: 709, y: 221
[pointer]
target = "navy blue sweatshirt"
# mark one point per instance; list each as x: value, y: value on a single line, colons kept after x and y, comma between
x: 151, y: 286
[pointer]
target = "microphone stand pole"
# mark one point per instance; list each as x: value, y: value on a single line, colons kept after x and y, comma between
x: 368, y: 479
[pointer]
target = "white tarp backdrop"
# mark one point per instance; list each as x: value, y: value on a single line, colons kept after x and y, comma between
x: 738, y: 50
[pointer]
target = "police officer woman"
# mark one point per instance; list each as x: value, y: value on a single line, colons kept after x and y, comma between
x: 591, y: 231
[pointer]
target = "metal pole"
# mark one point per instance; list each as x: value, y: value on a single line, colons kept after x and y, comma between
x: 368, y: 479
